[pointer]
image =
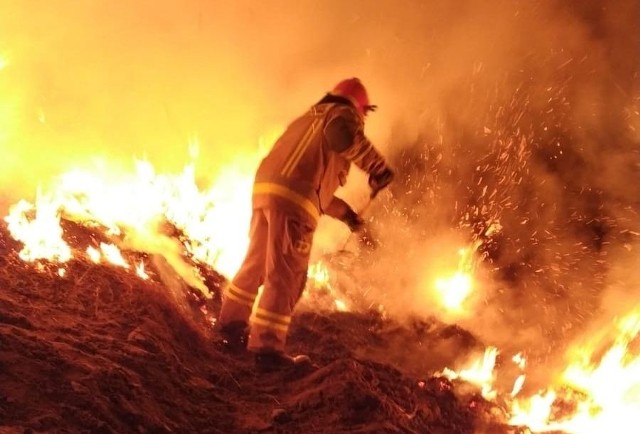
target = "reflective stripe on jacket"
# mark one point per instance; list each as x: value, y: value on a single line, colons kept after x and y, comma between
x: 311, y: 159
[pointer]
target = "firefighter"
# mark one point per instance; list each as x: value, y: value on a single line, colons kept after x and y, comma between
x: 294, y: 185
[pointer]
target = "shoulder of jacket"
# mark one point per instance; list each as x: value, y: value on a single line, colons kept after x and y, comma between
x: 347, y: 112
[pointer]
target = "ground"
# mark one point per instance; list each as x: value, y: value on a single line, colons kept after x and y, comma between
x: 100, y: 350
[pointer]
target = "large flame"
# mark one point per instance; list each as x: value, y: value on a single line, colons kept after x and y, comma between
x: 598, y: 391
x: 132, y: 207
x: 601, y: 393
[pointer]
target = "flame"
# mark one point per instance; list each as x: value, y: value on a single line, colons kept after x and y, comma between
x: 521, y: 363
x: 214, y: 222
x: 604, y: 393
x: 479, y: 372
x: 141, y: 272
x: 319, y: 278
x: 113, y: 255
x: 593, y: 394
x: 318, y: 273
x: 454, y: 290
x: 42, y: 234
x: 94, y: 254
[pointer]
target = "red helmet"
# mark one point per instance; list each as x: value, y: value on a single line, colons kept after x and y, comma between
x: 354, y: 91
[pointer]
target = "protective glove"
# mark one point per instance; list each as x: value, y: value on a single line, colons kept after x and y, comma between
x: 353, y: 220
x: 380, y: 181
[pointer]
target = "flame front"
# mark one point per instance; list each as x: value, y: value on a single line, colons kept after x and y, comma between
x: 604, y: 393
x: 214, y: 222
x: 598, y: 391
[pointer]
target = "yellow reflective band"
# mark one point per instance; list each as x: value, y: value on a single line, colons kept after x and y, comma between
x: 288, y: 167
x: 285, y: 319
x: 238, y: 300
x: 241, y: 292
x: 297, y: 153
x: 282, y: 191
x: 269, y: 324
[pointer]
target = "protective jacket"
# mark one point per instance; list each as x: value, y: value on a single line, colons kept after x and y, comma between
x: 312, y: 158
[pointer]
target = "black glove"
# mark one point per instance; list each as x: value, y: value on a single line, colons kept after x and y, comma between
x: 379, y: 181
x: 353, y: 220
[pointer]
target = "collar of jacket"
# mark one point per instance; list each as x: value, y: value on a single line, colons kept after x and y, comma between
x: 334, y: 99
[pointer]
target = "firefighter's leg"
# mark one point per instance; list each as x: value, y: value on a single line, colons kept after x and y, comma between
x: 241, y: 292
x: 287, y: 259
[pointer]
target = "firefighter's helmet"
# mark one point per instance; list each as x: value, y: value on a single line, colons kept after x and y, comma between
x: 354, y: 91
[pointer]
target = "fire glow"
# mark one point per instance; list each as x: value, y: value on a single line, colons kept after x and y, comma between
x: 604, y: 391
x: 135, y: 206
x: 592, y: 393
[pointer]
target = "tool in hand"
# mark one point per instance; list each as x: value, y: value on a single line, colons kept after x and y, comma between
x: 355, y: 220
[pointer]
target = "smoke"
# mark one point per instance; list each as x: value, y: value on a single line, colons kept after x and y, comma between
x: 530, y: 123
x: 512, y: 112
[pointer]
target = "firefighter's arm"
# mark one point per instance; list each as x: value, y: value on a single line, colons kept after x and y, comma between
x: 345, y: 135
x: 340, y: 210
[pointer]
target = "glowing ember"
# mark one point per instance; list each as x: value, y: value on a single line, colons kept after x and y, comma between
x: 519, y: 360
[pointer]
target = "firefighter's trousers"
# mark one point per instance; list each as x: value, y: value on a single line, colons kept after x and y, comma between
x: 277, y: 259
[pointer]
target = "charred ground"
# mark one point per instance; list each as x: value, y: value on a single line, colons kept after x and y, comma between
x: 101, y: 350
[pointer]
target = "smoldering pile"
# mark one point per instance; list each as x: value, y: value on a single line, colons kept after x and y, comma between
x: 98, y: 348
